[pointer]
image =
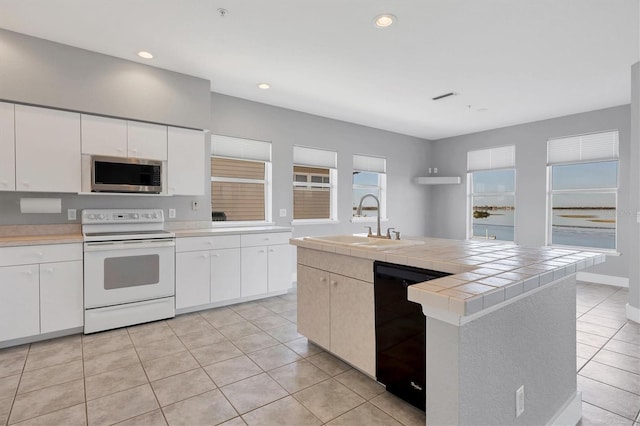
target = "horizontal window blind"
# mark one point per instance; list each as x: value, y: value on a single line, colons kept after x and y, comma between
x: 503, y: 157
x: 574, y: 149
x: 365, y: 163
x: 246, y: 149
x: 314, y: 157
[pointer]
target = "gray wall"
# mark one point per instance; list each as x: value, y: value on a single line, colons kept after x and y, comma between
x: 448, y: 202
x: 634, y: 233
x: 406, y: 156
x: 41, y: 72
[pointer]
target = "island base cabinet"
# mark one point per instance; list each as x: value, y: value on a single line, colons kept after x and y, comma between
x: 61, y: 296
x: 20, y: 302
x: 314, y: 305
x: 192, y: 279
x: 225, y: 280
x: 353, y: 322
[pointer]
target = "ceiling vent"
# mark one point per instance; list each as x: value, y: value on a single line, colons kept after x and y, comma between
x: 446, y: 95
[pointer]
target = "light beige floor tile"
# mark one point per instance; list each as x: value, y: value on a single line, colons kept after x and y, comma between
x: 49, y: 376
x: 621, y: 361
x: 286, y: 411
x: 280, y: 305
x: 154, y: 418
x: 155, y: 334
x: 298, y: 375
x: 14, y: 352
x: 58, y: 344
x: 232, y: 370
x: 121, y: 405
x: 113, y: 381
x: 8, y: 386
x: 47, y: 400
x: 107, y: 344
x: 255, y: 342
x: 590, y: 339
x: 110, y: 361
x: 217, y: 352
x: 595, y: 416
x: 365, y: 414
x: 147, y: 327
x: 291, y: 315
x: 254, y: 392
x: 10, y: 366
x: 94, y: 337
x: 183, y: 325
x: 5, y: 408
x: 182, y: 386
x: 221, y: 317
x: 285, y: 333
x: 612, y: 376
x: 303, y: 347
x: 72, y: 416
x: 580, y: 362
x: 626, y: 348
x: 61, y: 355
x: 202, y: 338
x: 160, y: 348
x: 270, y: 321
x: 274, y: 357
x: 289, y: 297
x: 239, y: 329
x: 400, y: 410
x: 207, y: 408
x: 328, y: 363
x: 328, y: 400
x: 160, y: 368
x: 255, y: 312
x: 361, y: 384
x: 246, y: 306
x: 236, y: 421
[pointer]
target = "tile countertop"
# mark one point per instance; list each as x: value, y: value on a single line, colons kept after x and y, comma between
x: 205, y: 232
x: 31, y: 235
x: 484, y: 273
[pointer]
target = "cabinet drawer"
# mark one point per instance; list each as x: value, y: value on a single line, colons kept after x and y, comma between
x: 250, y: 240
x: 25, y: 255
x: 207, y: 243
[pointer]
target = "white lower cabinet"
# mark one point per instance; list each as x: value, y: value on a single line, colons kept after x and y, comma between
x: 42, y: 290
x: 280, y: 267
x: 254, y: 275
x: 225, y: 277
x: 192, y: 279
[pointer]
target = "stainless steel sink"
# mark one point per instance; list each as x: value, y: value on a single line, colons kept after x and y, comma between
x: 363, y: 242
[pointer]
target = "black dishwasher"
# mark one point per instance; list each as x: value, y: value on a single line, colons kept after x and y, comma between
x: 400, y: 331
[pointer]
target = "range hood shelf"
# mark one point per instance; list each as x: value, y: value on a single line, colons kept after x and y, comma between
x: 437, y: 180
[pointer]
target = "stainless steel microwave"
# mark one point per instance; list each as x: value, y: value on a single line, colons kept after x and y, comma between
x: 115, y: 174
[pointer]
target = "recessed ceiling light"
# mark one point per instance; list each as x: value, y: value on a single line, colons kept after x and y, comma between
x: 264, y: 86
x: 144, y: 54
x: 384, y: 20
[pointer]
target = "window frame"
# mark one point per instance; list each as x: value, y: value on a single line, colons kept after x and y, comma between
x: 382, y: 190
x: 470, y: 195
x: 332, y: 185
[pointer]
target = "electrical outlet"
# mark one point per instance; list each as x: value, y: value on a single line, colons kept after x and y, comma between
x: 194, y: 205
x: 429, y: 170
x: 283, y: 212
x: 435, y: 170
x: 520, y: 401
x: 71, y: 214
x: 172, y: 213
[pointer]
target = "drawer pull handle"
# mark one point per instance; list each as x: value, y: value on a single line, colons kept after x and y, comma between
x: 29, y: 273
x: 334, y: 282
x: 215, y: 255
x: 48, y: 270
x: 323, y: 279
x: 204, y: 256
x: 262, y: 251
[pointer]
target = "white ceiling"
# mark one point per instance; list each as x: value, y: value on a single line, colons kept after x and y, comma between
x: 523, y: 60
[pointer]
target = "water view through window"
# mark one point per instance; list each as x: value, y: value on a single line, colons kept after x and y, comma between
x: 493, y: 204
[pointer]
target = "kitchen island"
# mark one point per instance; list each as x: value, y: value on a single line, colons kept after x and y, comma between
x: 504, y: 319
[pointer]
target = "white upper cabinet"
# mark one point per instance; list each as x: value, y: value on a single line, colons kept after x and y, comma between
x: 7, y: 148
x: 104, y: 136
x: 186, y: 159
x: 47, y: 150
x: 147, y: 141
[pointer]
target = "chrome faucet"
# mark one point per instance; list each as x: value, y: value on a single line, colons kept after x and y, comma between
x: 359, y: 213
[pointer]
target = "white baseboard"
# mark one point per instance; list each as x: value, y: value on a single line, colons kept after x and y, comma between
x: 633, y: 313
x: 603, y: 279
x: 570, y: 413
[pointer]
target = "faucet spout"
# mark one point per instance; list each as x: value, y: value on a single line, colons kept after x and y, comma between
x: 359, y: 210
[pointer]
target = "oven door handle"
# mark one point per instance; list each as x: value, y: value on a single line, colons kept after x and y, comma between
x: 124, y: 245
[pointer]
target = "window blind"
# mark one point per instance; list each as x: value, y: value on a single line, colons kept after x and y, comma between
x: 365, y: 163
x: 245, y: 149
x: 575, y: 149
x: 503, y: 157
x: 303, y: 156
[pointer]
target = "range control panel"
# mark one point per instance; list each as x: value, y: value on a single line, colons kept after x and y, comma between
x: 106, y: 216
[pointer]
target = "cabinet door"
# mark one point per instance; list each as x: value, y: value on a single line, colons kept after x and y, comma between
x: 225, y: 274
x: 192, y: 279
x: 253, y: 274
x: 185, y: 161
x: 147, y: 141
x: 7, y: 148
x: 19, y: 304
x: 280, y: 267
x: 353, y: 322
x: 61, y: 297
x: 47, y: 150
x: 313, y: 305
x: 104, y: 136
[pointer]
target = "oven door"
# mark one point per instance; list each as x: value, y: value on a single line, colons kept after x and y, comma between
x: 117, y: 272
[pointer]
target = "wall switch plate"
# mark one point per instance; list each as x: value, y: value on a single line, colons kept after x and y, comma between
x: 283, y: 212
x: 172, y: 213
x: 435, y: 170
x: 71, y: 214
x: 520, y: 401
x: 194, y: 205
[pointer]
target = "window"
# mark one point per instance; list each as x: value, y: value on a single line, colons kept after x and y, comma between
x: 314, y: 178
x: 369, y: 177
x: 583, y: 190
x: 491, y: 189
x: 240, y: 180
